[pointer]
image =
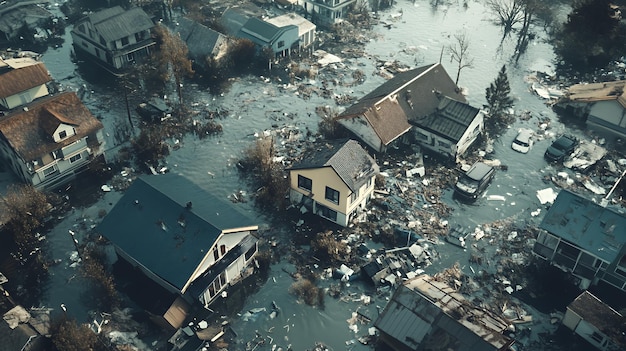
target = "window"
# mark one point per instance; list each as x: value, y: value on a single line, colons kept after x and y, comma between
x: 216, y: 254
x: 251, y: 251
x: 124, y: 41
x: 305, y: 183
x: 353, y: 197
x: 130, y: 57
x: 75, y: 158
x: 49, y: 171
x: 81, y: 28
x: 62, y: 134
x: 97, y: 52
x: 597, y: 337
x: 421, y: 136
x: 222, y: 250
x: 369, y: 182
x: 443, y: 144
x: 281, y: 44
x: 332, y: 195
x: 102, y: 41
x: 328, y: 213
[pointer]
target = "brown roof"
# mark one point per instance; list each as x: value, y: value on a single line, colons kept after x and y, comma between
x: 600, y: 315
x: 27, y: 131
x: 21, y: 79
x: 599, y: 92
x: 388, y: 121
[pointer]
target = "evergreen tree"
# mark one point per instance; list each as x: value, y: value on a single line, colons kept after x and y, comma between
x: 497, y: 94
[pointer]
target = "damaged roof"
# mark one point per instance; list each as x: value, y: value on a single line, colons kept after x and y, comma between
x: 16, y: 80
x: 115, y: 23
x: 425, y: 312
x: 153, y: 224
x: 601, y: 316
x: 347, y: 158
x: 598, y: 230
x: 200, y: 39
x: 28, y: 132
x: 450, y: 120
x: 593, y: 92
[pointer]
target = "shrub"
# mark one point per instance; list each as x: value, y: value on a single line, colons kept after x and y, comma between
x: 307, y: 291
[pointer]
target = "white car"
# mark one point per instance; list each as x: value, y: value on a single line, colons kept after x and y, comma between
x: 523, y: 141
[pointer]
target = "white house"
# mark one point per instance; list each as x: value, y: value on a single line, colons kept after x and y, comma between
x: 22, y: 80
x: 596, y: 322
x: 334, y: 180
x: 602, y: 104
x: 306, y: 29
x: 328, y: 12
x: 114, y: 37
x: 51, y: 141
x: 185, y: 240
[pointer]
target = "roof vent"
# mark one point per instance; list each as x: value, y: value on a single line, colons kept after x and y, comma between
x: 188, y: 205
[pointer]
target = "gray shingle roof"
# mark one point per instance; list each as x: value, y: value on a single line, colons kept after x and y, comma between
x: 450, y: 120
x: 113, y: 24
x: 349, y: 160
x: 200, y: 39
x: 596, y: 229
x: 152, y: 224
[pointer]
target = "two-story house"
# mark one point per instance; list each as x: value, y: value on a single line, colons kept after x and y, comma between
x: 426, y: 314
x: 334, y: 180
x: 114, y: 38
x: 584, y: 238
x: 22, y: 80
x: 602, y: 105
x: 325, y: 13
x: 596, y: 322
x: 425, y: 97
x: 190, y: 244
x: 280, y: 40
x: 51, y: 141
x: 450, y: 129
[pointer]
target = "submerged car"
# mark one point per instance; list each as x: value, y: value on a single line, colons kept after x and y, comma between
x: 560, y: 148
x: 523, y: 141
x: 473, y: 182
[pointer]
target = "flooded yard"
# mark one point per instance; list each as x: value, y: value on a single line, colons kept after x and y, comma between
x: 415, y: 34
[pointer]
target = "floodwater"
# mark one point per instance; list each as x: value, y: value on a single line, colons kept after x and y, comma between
x: 416, y: 36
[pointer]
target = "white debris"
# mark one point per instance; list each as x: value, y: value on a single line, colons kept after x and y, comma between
x: 593, y: 187
x: 105, y: 188
x: 547, y: 195
x: 536, y: 212
x: 509, y: 289
x: 496, y: 198
x: 420, y: 171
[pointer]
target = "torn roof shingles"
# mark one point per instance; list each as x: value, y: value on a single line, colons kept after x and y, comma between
x: 17, y: 80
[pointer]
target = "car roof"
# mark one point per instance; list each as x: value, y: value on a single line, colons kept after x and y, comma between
x: 478, y: 170
x: 524, y: 134
x: 564, y: 140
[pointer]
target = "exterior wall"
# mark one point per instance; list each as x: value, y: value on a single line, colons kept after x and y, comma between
x: 435, y: 142
x: 68, y: 129
x: 586, y: 330
x: 571, y: 319
x: 288, y: 38
x: 363, y: 130
x: 24, y: 97
x: 609, y: 111
x: 228, y: 241
x: 470, y: 135
x: 327, y: 12
x: 307, y: 39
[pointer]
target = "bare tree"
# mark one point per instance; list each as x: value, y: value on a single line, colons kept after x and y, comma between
x: 172, y: 58
x: 508, y: 13
x: 459, y: 53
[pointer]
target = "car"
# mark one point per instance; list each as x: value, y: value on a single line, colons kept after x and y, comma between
x: 473, y: 182
x: 523, y: 141
x: 560, y: 148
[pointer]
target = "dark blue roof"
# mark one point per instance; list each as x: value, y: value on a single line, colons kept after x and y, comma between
x: 152, y: 224
x: 598, y: 230
x: 451, y: 119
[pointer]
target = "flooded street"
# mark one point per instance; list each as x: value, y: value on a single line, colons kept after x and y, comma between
x: 415, y: 38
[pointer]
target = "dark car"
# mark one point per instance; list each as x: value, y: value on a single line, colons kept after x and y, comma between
x: 560, y: 148
x: 473, y: 182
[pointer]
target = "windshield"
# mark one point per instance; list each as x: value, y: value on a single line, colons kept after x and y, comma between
x: 467, y: 184
x: 521, y: 143
x: 562, y: 144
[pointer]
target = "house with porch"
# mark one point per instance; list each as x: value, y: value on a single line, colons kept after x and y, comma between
x: 114, y: 38
x: 450, y: 129
x: 280, y: 40
x: 381, y: 118
x: 334, y: 180
x: 52, y: 141
x: 585, y: 239
x: 602, y: 105
x: 596, y: 322
x: 188, y: 243
x: 203, y: 42
x: 426, y: 314
x: 325, y: 13
x: 22, y: 80
x: 306, y: 29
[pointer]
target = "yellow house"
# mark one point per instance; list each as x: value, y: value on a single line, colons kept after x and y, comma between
x: 334, y: 181
x: 22, y: 81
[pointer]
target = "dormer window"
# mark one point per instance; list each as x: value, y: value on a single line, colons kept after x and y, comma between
x: 62, y: 134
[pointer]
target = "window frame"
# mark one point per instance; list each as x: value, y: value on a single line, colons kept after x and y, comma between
x: 333, y: 194
x: 301, y: 183
x: 76, y: 158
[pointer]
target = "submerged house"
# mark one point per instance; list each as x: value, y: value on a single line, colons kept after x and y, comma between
x: 425, y: 314
x: 584, y: 238
x: 383, y: 117
x: 450, y: 129
x: 596, y: 322
x: 16, y: 15
x: 22, y: 80
x: 603, y: 105
x: 51, y: 141
x: 334, y: 181
x: 185, y: 240
x: 203, y: 42
x: 114, y: 38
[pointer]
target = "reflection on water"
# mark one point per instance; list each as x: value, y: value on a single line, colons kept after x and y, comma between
x: 415, y: 38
